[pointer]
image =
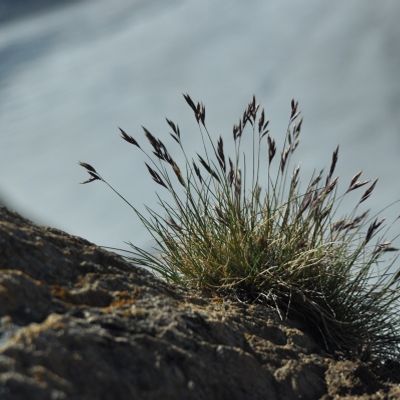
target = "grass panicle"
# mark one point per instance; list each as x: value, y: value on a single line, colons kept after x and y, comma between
x: 241, y: 225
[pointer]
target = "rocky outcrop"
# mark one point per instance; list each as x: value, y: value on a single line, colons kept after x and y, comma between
x: 78, y: 322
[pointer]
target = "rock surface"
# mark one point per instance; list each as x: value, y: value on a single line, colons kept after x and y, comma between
x: 77, y: 322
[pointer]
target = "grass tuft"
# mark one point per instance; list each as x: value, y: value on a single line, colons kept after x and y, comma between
x: 244, y: 228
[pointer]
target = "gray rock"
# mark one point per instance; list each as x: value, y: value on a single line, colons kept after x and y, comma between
x: 77, y: 322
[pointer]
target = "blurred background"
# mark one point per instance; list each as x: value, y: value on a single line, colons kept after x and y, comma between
x: 72, y: 72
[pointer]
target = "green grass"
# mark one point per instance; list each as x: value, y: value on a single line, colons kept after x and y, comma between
x: 238, y: 224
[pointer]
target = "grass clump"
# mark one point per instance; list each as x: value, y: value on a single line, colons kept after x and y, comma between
x: 238, y: 224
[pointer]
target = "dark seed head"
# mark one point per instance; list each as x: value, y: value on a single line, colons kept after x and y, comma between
x: 91, y: 171
x: 368, y: 192
x: 128, y: 138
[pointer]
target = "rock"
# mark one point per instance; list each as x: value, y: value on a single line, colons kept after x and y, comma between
x: 78, y: 322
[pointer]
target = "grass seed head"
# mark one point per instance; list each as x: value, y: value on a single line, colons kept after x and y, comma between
x: 246, y: 231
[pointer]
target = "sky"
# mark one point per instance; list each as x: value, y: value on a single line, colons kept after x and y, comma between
x: 70, y: 76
